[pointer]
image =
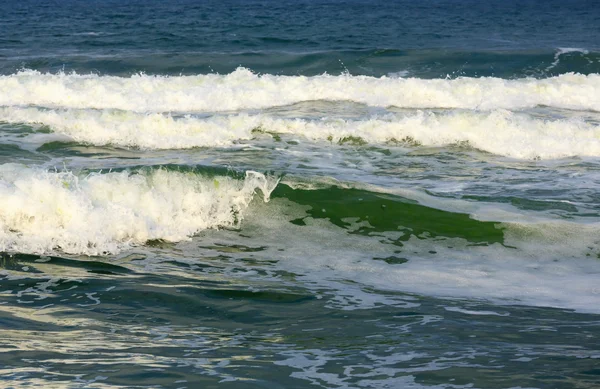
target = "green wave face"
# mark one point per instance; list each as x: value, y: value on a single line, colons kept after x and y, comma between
x: 389, y: 213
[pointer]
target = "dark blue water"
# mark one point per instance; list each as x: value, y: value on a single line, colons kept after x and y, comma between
x: 431, y: 38
x: 300, y: 194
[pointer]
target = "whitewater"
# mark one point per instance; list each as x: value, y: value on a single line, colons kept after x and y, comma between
x: 243, y: 89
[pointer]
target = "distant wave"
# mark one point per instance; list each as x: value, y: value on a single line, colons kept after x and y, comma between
x: 500, y: 132
x: 561, y: 51
x: 94, y: 56
x: 243, y: 89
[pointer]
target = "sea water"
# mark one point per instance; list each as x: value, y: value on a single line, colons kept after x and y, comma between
x: 299, y: 194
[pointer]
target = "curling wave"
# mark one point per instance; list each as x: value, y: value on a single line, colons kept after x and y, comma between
x: 42, y: 211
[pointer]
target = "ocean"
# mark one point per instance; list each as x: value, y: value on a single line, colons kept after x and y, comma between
x: 300, y: 194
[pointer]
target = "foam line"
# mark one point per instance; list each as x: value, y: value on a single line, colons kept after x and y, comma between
x: 243, y: 89
x: 500, y: 132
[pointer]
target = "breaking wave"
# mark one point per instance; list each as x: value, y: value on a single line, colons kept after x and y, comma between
x: 243, y: 89
x: 97, y: 213
x: 499, y: 132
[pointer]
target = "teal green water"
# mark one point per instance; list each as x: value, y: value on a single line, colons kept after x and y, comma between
x: 312, y: 194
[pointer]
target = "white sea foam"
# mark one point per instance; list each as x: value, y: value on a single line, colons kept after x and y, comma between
x: 243, y: 89
x: 565, y: 50
x: 103, y: 213
x: 541, y: 264
x: 500, y: 132
x: 475, y: 313
x: 130, y: 129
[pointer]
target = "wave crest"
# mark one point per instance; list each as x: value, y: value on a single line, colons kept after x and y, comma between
x: 243, y: 89
x: 499, y: 132
x: 96, y: 214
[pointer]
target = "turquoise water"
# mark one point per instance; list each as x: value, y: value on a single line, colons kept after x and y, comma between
x: 313, y: 194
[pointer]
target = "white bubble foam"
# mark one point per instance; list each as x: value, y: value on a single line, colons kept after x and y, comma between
x: 541, y: 264
x: 130, y: 129
x: 243, y: 89
x: 500, y: 132
x: 475, y: 313
x: 104, y: 213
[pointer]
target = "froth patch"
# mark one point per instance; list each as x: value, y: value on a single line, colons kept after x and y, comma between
x: 499, y: 132
x: 540, y: 264
x: 243, y: 89
x: 96, y: 214
x: 131, y: 129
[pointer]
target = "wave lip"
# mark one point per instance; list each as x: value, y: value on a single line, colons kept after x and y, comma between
x: 44, y: 211
x: 565, y: 50
x: 243, y: 89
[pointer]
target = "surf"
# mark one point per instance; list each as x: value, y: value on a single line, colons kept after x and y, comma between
x: 243, y: 89
x: 100, y: 213
x: 501, y: 132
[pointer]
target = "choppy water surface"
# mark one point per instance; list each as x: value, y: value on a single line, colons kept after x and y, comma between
x: 266, y: 194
